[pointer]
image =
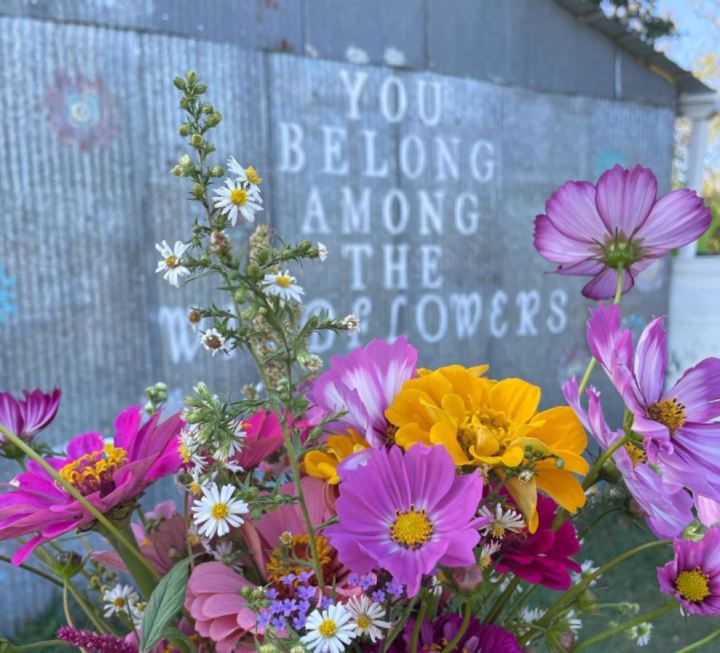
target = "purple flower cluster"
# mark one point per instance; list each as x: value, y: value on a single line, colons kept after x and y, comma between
x: 291, y: 604
x: 93, y: 642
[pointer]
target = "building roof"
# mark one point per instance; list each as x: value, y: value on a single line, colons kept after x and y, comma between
x: 630, y: 42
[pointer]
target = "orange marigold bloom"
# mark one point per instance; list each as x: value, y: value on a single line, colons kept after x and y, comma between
x: 496, y: 425
x: 323, y: 463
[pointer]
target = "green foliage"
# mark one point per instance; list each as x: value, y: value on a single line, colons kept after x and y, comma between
x: 638, y: 16
x: 710, y: 242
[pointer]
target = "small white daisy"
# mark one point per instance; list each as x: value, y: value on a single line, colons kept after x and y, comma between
x: 213, y: 341
x: 367, y: 617
x: 234, y: 199
x: 641, y: 634
x: 351, y: 322
x: 328, y: 631
x: 586, y: 568
x: 322, y: 252
x: 217, y: 510
x: 531, y: 615
x: 501, y: 521
x: 119, y: 599
x: 573, y: 621
x: 489, y: 549
x: 283, y: 286
x: 137, y: 612
x: 248, y: 175
x: 189, y: 450
x: 171, y: 262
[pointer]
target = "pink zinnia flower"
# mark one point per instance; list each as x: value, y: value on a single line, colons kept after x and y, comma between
x: 363, y: 384
x: 542, y: 557
x: 676, y: 424
x: 106, y: 474
x: 263, y: 437
x: 406, y: 514
x: 593, y: 230
x: 667, y: 507
x: 693, y: 576
x: 220, y: 612
x: 26, y: 417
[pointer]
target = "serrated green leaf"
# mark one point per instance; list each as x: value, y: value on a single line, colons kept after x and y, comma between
x: 164, y: 604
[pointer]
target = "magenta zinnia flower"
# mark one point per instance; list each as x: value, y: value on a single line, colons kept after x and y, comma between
x: 667, y: 507
x: 263, y: 437
x: 676, y: 424
x: 542, y: 557
x: 108, y: 475
x: 593, y: 230
x: 406, y: 514
x: 363, y: 384
x: 693, y: 576
x: 26, y: 417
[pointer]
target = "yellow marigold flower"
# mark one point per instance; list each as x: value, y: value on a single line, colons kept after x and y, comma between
x: 495, y: 424
x: 323, y: 463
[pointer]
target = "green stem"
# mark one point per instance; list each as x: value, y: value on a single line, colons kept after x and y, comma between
x: 527, y: 593
x: 48, y: 643
x: 397, y: 628
x: 700, y: 643
x: 417, y: 626
x: 583, y: 533
x: 32, y: 570
x: 127, y: 548
x: 591, y: 478
x: 99, y: 625
x: 452, y: 644
x: 578, y: 589
x: 591, y: 365
x: 621, y: 628
x: 75, y: 494
x: 502, y: 600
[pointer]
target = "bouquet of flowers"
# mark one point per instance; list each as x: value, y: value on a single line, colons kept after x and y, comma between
x: 377, y: 505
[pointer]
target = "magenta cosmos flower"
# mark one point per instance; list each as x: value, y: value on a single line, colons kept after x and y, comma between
x: 106, y: 474
x: 676, y: 424
x: 363, y: 384
x: 667, y: 507
x: 406, y: 514
x: 26, y: 417
x: 693, y: 576
x: 593, y: 230
x: 542, y: 557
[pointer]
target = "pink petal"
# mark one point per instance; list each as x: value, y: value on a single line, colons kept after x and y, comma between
x: 84, y: 444
x: 573, y: 212
x: 556, y: 246
x: 699, y: 391
x: 708, y: 510
x: 650, y: 361
x: 678, y: 218
x: 625, y: 198
x: 604, y: 285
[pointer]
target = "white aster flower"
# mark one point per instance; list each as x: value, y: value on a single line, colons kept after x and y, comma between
x: 213, y: 341
x: 248, y: 175
x: 531, y: 615
x: 641, y: 634
x: 188, y: 449
x: 235, y: 199
x: 367, y: 617
x: 573, y: 621
x: 283, y: 286
x: 119, y: 599
x: 137, y: 612
x: 328, y: 631
x: 350, y: 322
x: 171, y: 262
x: 489, y: 549
x: 586, y: 568
x: 501, y: 521
x: 322, y: 252
x: 217, y: 510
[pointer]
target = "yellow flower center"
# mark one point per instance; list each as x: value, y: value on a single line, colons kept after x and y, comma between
x: 252, y: 176
x: 283, y: 280
x: 327, y: 628
x: 484, y: 431
x: 411, y: 529
x: 119, y: 602
x: 195, y: 488
x: 498, y: 530
x: 637, y: 453
x: 669, y: 412
x: 238, y: 196
x: 94, y: 471
x: 213, y: 342
x: 363, y: 622
x: 692, y: 585
x: 171, y: 261
x: 220, y: 511
x: 184, y: 453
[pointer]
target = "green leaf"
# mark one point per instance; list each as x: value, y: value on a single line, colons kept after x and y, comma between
x: 164, y: 603
x: 179, y: 640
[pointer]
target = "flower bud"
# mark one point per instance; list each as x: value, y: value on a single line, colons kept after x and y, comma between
x: 196, y: 140
x: 254, y: 270
x: 67, y: 564
x: 191, y: 76
x: 179, y: 83
x: 198, y: 190
x: 217, y: 171
x: 184, y: 129
x: 200, y: 89
x: 184, y: 103
x: 178, y: 171
x: 194, y: 316
x: 214, y: 119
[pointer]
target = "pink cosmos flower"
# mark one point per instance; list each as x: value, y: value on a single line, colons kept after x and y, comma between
x: 363, y: 384
x: 542, y: 557
x: 593, y: 230
x: 406, y: 514
x: 667, y: 507
x: 693, y: 576
x: 263, y: 437
x: 108, y: 475
x: 26, y: 417
x: 220, y: 612
x: 676, y: 424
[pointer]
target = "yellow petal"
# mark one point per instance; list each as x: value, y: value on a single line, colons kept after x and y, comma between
x: 525, y: 495
x: 563, y: 487
x: 446, y: 436
x: 518, y: 399
x: 561, y: 430
x: 410, y: 434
